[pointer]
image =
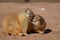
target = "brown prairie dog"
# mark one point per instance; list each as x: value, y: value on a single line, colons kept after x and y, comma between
x: 17, y: 23
x: 38, y: 24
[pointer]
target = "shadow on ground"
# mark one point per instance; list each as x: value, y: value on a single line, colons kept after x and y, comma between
x: 47, y: 31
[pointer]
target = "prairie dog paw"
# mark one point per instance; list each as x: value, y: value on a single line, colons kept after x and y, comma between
x: 24, y: 34
x: 41, y: 32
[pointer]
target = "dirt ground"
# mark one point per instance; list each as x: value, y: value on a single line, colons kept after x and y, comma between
x: 49, y: 11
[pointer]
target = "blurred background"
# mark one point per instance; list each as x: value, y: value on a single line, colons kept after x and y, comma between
x: 29, y: 1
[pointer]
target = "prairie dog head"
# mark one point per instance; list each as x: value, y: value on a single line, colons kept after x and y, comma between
x: 36, y: 20
x: 39, y: 22
x: 27, y: 13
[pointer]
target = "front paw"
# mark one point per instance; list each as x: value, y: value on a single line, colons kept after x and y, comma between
x: 23, y: 34
x: 41, y: 32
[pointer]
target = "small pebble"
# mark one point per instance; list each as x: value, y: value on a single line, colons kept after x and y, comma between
x: 43, y: 9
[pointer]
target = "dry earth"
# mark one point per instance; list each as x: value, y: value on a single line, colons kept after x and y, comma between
x: 51, y: 14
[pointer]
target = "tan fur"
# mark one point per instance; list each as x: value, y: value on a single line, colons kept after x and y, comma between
x: 38, y: 24
x: 17, y: 23
x: 10, y: 24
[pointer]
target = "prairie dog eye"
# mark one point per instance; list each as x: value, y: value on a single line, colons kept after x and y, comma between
x: 25, y: 10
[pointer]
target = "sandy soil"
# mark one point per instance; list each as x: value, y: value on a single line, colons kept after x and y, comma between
x: 51, y: 14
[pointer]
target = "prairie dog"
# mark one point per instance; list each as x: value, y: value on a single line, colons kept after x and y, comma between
x: 38, y: 24
x: 17, y: 23
x: 25, y: 18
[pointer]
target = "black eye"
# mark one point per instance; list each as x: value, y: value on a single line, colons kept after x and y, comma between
x: 25, y: 10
